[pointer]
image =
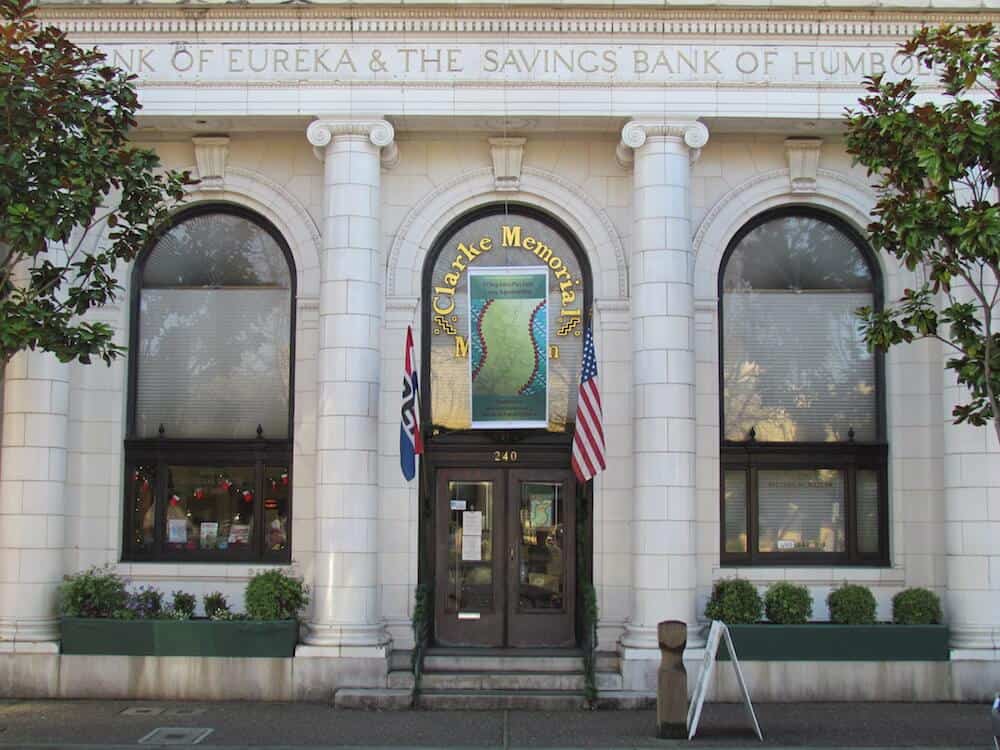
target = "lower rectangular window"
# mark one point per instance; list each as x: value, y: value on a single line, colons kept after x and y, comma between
x: 183, y: 507
x: 777, y: 511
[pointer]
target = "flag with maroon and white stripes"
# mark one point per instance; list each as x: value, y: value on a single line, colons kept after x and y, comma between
x: 588, y: 440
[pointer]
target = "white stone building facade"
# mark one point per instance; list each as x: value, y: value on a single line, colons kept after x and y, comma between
x: 652, y: 136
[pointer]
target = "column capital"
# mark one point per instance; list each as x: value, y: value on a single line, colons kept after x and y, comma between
x: 380, y: 133
x: 693, y: 133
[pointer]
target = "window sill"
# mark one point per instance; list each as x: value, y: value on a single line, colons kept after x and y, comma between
x: 822, y: 574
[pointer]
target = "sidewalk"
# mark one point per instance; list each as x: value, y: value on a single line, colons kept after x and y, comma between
x: 79, y: 724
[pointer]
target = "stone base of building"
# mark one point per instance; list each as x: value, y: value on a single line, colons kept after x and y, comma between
x: 44, y: 673
x: 310, y: 677
x: 967, y: 677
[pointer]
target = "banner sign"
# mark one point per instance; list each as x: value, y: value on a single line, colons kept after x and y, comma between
x: 506, y: 303
x: 508, y: 313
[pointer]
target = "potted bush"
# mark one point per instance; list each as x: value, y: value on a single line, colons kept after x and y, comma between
x: 851, y: 635
x: 101, y: 616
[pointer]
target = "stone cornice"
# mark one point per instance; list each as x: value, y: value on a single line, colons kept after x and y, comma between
x: 311, y: 21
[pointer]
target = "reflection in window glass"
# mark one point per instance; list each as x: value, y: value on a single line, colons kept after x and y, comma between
x: 542, y: 575
x: 143, y: 497
x: 736, y: 511
x: 276, y: 486
x: 214, y: 332
x: 795, y: 366
x: 470, y: 555
x: 210, y: 508
x: 801, y: 510
x: 868, y: 520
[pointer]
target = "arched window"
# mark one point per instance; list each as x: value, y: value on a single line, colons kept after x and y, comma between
x: 803, y: 436
x: 208, y: 455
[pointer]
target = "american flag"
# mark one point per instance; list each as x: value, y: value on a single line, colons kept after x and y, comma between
x: 588, y: 441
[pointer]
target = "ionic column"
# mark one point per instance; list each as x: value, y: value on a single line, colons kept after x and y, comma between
x: 345, y: 589
x: 32, y: 499
x: 661, y: 273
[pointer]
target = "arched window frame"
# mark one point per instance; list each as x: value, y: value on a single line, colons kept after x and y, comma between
x: 259, y: 454
x: 750, y: 456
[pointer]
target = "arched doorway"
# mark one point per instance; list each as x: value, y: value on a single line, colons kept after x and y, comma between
x: 506, y: 296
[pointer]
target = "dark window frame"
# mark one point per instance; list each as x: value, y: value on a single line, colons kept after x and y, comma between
x: 750, y: 455
x: 164, y: 451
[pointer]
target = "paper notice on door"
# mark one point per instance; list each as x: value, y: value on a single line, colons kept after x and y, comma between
x: 472, y: 523
x: 472, y: 548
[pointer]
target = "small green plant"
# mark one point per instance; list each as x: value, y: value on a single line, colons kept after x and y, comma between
x: 146, y: 602
x: 590, y: 616
x: 423, y: 606
x: 916, y: 606
x: 183, y: 605
x: 216, y: 605
x: 96, y: 592
x: 272, y: 595
x: 734, y: 601
x: 788, y: 603
x: 851, y: 604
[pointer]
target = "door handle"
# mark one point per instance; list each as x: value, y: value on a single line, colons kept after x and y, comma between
x: 512, y: 553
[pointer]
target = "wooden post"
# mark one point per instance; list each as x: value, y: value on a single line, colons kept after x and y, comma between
x: 671, y: 687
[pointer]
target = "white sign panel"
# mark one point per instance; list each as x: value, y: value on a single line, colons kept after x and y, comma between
x: 472, y: 523
x: 716, y: 634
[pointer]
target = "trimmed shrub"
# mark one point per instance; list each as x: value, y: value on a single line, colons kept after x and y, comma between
x: 216, y: 606
x: 735, y: 602
x: 916, y: 606
x: 96, y: 592
x: 788, y: 603
x: 851, y: 604
x: 272, y: 595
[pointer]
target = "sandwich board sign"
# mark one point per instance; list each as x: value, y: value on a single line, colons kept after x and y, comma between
x: 716, y: 634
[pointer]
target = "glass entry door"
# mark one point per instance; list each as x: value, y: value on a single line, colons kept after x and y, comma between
x: 506, y: 557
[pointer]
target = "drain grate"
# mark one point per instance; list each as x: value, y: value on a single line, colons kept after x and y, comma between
x: 142, y: 711
x: 175, y: 736
x: 184, y: 711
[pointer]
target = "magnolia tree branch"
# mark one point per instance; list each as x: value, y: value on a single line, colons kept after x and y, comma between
x: 933, y: 162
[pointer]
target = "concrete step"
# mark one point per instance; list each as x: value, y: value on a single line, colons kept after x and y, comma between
x: 527, y: 662
x: 625, y: 699
x: 608, y: 662
x: 543, y: 681
x: 400, y: 680
x: 498, y: 700
x: 400, y: 659
x: 381, y: 699
x: 608, y: 681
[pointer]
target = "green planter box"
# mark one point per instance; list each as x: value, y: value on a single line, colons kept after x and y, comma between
x: 247, y: 638
x: 829, y: 642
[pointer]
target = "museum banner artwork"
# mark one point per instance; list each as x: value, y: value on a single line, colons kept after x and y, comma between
x: 509, y: 340
x: 506, y: 317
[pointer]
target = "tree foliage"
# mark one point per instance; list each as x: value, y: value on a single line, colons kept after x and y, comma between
x: 67, y: 169
x: 936, y: 165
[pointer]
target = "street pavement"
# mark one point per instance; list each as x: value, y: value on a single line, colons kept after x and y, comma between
x: 83, y: 725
